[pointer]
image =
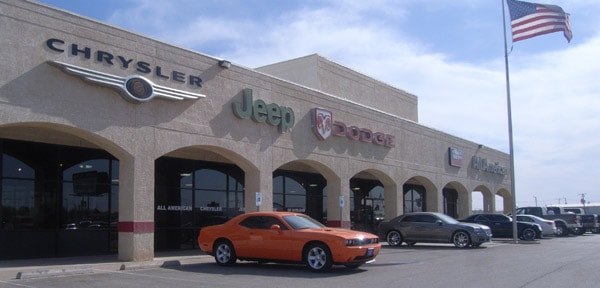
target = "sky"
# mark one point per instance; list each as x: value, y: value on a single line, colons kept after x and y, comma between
x: 450, y: 54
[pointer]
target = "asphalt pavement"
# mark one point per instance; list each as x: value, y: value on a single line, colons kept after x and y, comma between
x: 65, y: 266
x: 558, y: 262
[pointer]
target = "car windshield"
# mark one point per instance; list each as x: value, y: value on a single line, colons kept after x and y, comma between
x: 302, y: 222
x: 447, y: 219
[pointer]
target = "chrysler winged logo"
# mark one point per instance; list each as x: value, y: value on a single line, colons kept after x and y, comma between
x: 322, y: 123
x: 133, y: 88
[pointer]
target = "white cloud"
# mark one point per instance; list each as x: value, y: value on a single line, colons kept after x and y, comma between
x: 555, y: 94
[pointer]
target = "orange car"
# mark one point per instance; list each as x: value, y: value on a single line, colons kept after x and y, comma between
x: 287, y: 237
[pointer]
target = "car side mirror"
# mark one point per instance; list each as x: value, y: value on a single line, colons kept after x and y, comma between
x: 439, y: 222
x: 276, y: 227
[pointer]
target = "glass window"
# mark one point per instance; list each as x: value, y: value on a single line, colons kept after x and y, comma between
x: 192, y: 194
x: 49, y: 187
x: 261, y: 222
x: 414, y: 200
x: 300, y: 192
x: 410, y: 218
x: 210, y: 179
x: 482, y: 218
x: 85, y: 195
x: 18, y: 204
x: 13, y: 168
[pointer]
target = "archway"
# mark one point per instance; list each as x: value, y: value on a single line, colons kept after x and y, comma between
x: 372, y: 199
x: 455, y: 200
x: 504, y: 201
x: 60, y: 184
x: 483, y: 200
x: 195, y: 186
x: 302, y: 186
x: 420, y: 194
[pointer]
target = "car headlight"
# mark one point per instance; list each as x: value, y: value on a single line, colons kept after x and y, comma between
x: 361, y: 242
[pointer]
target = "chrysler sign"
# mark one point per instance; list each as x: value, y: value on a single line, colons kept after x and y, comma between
x: 134, y: 88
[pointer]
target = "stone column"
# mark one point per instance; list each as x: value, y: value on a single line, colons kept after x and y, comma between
x: 136, y: 209
x: 489, y: 202
x: 338, y: 216
x: 258, y: 181
x: 393, y: 201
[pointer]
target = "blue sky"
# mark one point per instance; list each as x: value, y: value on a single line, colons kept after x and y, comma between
x: 450, y: 54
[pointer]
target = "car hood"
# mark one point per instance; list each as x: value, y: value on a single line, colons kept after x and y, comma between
x: 474, y: 225
x: 344, y: 233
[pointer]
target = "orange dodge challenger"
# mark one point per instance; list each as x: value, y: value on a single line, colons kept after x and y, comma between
x: 287, y: 237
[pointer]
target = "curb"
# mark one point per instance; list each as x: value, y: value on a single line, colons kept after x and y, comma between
x: 89, y: 268
x: 54, y: 273
x: 146, y: 265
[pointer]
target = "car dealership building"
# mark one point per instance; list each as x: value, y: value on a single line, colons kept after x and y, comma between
x: 112, y: 142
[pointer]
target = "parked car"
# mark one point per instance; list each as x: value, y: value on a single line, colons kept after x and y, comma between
x: 548, y: 226
x: 432, y: 227
x: 588, y: 221
x: 287, y: 237
x: 502, y: 226
x: 565, y: 222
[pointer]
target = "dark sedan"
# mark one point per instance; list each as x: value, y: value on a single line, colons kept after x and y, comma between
x: 432, y: 227
x: 502, y: 226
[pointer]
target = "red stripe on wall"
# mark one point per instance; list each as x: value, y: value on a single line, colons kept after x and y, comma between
x: 136, y: 227
x: 338, y: 223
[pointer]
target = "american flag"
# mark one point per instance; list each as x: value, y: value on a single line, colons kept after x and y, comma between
x: 528, y: 20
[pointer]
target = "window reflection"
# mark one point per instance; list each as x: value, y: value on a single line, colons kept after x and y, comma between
x: 86, y: 189
x: 414, y: 198
x: 300, y: 192
x: 193, y: 194
x: 60, y: 194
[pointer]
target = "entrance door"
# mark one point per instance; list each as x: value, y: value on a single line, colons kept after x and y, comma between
x: 450, y: 202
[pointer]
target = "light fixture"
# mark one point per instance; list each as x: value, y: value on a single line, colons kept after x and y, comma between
x: 224, y: 64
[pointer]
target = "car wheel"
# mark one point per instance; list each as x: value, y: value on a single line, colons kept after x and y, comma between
x: 224, y: 253
x: 318, y: 257
x: 394, y: 238
x: 528, y: 234
x: 461, y: 239
x: 561, y: 230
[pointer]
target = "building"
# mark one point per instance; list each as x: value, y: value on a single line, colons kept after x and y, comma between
x: 113, y: 142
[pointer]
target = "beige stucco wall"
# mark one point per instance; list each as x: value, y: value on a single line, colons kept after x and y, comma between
x: 39, y: 102
x: 317, y: 72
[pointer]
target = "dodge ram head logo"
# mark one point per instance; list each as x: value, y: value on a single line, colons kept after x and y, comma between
x: 322, y: 123
x: 133, y: 88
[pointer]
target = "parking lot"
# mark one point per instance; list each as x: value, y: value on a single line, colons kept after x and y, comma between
x: 557, y: 262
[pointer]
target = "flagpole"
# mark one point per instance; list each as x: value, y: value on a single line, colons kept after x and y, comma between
x: 510, y: 132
